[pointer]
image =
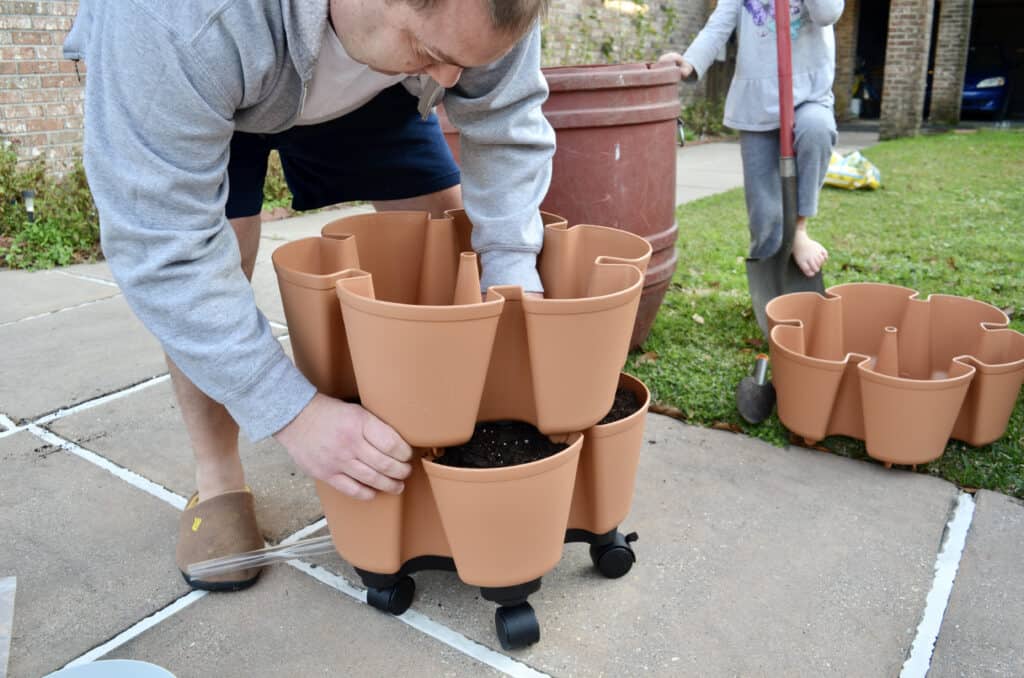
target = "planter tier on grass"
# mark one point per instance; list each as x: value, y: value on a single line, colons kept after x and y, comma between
x: 386, y: 309
x: 874, y: 362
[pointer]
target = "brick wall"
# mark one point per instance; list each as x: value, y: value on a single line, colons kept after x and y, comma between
x: 906, y: 66
x: 41, y: 97
x: 846, y: 57
x: 40, y: 93
x: 600, y: 31
x: 950, y: 60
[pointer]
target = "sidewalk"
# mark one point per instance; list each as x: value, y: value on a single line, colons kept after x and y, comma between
x: 704, y: 169
x: 752, y: 560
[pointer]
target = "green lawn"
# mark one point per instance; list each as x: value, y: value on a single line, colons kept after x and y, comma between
x: 949, y: 219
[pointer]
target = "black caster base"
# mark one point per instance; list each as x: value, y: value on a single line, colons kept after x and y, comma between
x: 394, y: 599
x: 516, y: 626
x: 616, y: 558
x: 515, y: 622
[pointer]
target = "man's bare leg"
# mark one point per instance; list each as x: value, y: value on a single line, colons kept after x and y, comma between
x: 212, y: 431
x: 435, y: 203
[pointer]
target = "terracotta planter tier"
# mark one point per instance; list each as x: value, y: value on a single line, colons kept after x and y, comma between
x: 307, y: 271
x: 904, y: 374
x: 615, y: 162
x: 552, y: 362
x: 388, y: 533
x: 385, y: 533
x: 607, y: 469
x: 489, y: 515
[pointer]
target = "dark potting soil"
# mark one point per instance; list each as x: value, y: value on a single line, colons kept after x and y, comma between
x: 500, y: 443
x: 626, y: 403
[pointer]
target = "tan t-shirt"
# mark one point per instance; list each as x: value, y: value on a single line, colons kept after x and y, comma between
x: 340, y: 84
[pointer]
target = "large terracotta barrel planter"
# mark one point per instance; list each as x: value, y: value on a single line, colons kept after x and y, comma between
x: 615, y: 162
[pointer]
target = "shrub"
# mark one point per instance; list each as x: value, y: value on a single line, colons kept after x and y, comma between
x: 703, y: 118
x: 66, y: 225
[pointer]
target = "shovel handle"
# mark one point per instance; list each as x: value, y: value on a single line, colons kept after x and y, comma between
x: 783, y: 49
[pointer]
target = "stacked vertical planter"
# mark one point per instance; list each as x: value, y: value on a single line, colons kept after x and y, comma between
x: 874, y: 362
x: 386, y: 309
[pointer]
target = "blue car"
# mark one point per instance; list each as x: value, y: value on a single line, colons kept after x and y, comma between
x: 986, y: 82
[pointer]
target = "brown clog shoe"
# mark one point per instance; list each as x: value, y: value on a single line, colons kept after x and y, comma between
x: 216, y: 527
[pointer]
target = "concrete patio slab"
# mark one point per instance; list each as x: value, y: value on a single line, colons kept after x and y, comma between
x: 982, y: 632
x: 143, y: 432
x: 752, y: 561
x: 308, y: 225
x: 291, y: 625
x: 704, y: 169
x: 265, y: 287
x: 73, y: 356
x: 28, y: 294
x: 856, y: 139
x: 99, y: 270
x: 90, y: 553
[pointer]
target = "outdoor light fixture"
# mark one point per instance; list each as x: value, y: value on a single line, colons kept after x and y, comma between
x: 29, y: 197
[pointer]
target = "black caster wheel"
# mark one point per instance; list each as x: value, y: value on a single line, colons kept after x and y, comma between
x: 394, y: 599
x: 614, y: 560
x: 517, y: 626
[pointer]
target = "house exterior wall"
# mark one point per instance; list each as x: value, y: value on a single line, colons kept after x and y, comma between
x: 950, y: 61
x: 906, y: 65
x: 846, y: 57
x: 40, y: 92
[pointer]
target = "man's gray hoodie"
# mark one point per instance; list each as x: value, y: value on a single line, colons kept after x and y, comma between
x: 167, y: 85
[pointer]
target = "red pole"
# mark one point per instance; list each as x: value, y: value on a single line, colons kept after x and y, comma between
x: 783, y: 51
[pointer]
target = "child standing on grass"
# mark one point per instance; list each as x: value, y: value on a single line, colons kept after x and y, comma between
x: 752, y: 107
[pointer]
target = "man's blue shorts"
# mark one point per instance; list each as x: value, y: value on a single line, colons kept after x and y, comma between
x: 381, y: 151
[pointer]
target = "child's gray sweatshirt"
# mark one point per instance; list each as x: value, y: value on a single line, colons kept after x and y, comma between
x: 753, y: 100
x: 169, y: 82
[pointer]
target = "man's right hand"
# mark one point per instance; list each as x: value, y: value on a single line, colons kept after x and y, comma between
x: 347, y: 447
x: 685, y: 69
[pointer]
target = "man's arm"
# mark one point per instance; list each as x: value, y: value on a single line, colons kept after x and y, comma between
x: 158, y: 131
x: 506, y: 149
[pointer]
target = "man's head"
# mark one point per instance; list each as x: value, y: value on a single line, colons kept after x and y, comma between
x: 437, y: 37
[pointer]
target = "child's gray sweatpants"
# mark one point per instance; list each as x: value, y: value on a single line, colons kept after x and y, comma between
x: 815, y: 137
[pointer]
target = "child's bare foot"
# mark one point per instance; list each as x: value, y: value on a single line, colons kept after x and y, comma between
x: 808, y: 254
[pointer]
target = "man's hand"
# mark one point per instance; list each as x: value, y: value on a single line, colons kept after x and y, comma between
x: 685, y: 69
x: 347, y: 447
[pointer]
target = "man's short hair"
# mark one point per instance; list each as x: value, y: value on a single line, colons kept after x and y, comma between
x: 507, y: 16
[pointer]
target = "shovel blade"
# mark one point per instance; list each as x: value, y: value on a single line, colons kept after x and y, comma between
x: 772, y: 276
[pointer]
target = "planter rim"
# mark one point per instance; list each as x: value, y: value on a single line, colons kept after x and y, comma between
x: 393, y: 310
x: 1002, y: 322
x: 506, y: 473
x: 613, y: 428
x: 639, y: 240
x: 610, y: 76
x: 806, y: 360
x: 311, y: 281
x: 834, y: 294
x: 486, y: 309
x: 584, y: 305
x: 908, y: 384
x: 995, y: 368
